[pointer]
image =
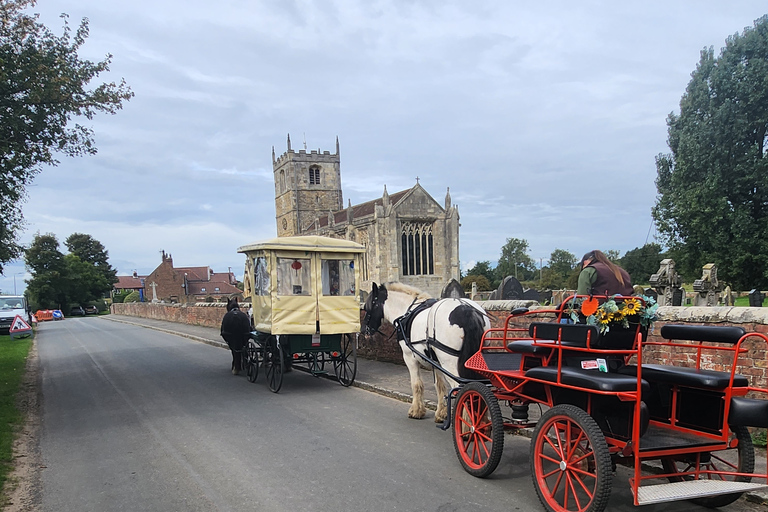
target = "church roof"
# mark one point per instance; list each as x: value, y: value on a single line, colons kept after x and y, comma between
x: 362, y: 209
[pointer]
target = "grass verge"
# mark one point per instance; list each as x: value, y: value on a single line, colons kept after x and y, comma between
x: 13, y: 358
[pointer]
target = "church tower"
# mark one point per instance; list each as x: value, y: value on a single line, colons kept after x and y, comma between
x: 307, y: 185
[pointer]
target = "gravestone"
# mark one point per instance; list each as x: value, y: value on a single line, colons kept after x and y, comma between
x: 665, y: 281
x: 493, y: 295
x: 707, y: 288
x: 531, y: 294
x: 545, y: 297
x: 756, y: 299
x: 650, y: 292
x: 677, y: 296
x: 453, y: 290
x: 510, y: 289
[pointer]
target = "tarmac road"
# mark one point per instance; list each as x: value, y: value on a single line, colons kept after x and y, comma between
x: 137, y: 419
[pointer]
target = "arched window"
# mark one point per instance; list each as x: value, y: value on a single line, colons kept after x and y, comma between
x: 282, y: 181
x: 417, y: 249
x: 314, y: 175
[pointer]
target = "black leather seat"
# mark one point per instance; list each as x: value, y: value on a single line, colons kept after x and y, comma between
x: 587, y: 379
x: 683, y: 376
x: 748, y: 412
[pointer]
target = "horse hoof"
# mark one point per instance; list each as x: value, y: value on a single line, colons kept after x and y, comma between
x: 235, y: 372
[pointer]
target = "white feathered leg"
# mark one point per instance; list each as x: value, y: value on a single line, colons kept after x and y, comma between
x: 418, y: 409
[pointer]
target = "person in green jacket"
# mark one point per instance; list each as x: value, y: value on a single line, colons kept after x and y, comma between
x: 599, y: 276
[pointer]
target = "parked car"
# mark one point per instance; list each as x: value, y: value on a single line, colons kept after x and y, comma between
x: 77, y: 311
x: 91, y: 310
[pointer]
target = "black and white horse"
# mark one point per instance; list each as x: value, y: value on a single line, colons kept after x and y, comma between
x: 447, y: 331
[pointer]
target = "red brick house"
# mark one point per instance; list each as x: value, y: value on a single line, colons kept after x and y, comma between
x: 188, y: 284
x: 130, y: 283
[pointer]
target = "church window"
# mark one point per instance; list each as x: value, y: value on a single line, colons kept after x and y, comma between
x: 417, y: 249
x: 282, y: 181
x: 314, y: 175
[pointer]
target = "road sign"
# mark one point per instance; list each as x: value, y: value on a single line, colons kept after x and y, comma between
x: 19, y: 328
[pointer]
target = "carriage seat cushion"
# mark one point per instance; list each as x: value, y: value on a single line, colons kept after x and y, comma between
x: 575, y: 334
x: 542, y: 347
x: 713, y: 333
x: 748, y: 412
x: 588, y: 379
x: 683, y: 376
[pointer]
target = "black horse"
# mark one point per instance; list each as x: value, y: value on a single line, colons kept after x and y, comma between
x: 235, y: 329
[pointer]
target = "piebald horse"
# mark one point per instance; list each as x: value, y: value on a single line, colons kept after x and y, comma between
x: 447, y: 331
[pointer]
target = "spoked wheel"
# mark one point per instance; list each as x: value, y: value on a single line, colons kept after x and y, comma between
x: 738, y: 460
x: 570, y: 461
x: 316, y: 362
x: 251, y: 357
x: 478, y: 430
x: 345, y: 364
x: 274, y: 363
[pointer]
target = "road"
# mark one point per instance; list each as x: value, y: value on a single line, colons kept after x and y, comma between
x: 135, y: 419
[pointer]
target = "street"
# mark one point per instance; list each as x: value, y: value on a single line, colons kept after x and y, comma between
x: 135, y: 419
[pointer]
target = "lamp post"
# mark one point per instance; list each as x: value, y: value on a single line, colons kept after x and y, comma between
x: 14, y: 280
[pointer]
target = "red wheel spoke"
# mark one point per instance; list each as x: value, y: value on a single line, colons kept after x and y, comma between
x: 575, y: 475
x: 555, y: 487
x: 550, y: 459
x: 590, y: 454
x: 575, y: 445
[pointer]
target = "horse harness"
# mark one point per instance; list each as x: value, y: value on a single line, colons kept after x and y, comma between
x: 403, y: 329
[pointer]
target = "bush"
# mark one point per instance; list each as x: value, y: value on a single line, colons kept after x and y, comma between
x: 483, y: 284
x: 132, y: 297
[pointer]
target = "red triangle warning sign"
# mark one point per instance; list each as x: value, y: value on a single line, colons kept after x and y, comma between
x: 19, y: 325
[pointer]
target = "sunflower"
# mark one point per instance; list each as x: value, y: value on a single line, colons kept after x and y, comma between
x: 631, y: 307
x: 603, y: 317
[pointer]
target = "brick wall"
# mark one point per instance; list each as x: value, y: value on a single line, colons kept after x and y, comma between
x: 386, y: 348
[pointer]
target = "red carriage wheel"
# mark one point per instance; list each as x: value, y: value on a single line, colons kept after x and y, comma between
x: 478, y: 430
x: 742, y: 462
x: 570, y: 461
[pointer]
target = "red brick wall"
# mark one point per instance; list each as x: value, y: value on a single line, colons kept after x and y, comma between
x: 206, y: 316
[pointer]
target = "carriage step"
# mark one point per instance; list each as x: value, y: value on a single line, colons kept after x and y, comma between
x: 677, y: 491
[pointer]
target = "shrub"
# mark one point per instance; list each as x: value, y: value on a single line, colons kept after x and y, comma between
x: 132, y: 297
x: 482, y: 283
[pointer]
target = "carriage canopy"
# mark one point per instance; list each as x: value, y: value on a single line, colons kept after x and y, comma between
x: 304, y: 284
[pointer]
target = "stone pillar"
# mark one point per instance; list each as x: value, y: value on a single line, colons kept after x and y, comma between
x: 707, y: 288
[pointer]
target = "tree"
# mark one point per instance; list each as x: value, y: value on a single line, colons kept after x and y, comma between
x: 713, y: 186
x: 641, y: 262
x: 47, y: 288
x: 60, y: 280
x: 515, y: 261
x: 90, y: 250
x: 43, y: 85
x: 483, y: 268
x: 483, y: 284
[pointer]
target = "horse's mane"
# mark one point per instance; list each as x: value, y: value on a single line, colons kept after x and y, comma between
x: 405, y: 288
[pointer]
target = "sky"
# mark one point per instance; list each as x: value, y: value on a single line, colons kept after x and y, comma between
x: 543, y: 118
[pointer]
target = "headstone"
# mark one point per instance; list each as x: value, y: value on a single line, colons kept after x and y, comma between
x: 493, y: 295
x: 707, y: 288
x: 665, y: 280
x: 650, y: 292
x: 756, y: 299
x: 510, y: 289
x: 677, y: 296
x: 727, y: 296
x: 545, y: 297
x: 531, y: 294
x: 453, y: 290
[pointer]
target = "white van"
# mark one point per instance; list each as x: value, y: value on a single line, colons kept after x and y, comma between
x: 10, y: 306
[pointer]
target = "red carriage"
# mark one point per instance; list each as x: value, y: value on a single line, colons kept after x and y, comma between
x: 603, y: 404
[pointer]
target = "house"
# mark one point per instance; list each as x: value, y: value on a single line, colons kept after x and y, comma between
x: 188, y: 284
x: 130, y: 283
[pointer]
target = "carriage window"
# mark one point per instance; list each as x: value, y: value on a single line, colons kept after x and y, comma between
x: 339, y: 277
x: 261, y: 277
x: 293, y: 277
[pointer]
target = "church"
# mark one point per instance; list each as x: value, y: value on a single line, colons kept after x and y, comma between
x: 408, y: 235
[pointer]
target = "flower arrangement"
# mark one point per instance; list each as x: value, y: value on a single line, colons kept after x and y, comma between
x: 623, y: 312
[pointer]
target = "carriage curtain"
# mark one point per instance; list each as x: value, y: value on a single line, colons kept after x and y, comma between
x: 294, y: 277
x: 338, y: 277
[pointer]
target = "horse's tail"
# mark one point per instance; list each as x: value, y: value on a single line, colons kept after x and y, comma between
x: 473, y: 322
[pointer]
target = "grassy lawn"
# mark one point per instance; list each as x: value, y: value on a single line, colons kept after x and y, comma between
x: 13, y: 357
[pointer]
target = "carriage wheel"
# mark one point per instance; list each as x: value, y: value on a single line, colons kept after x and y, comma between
x: 274, y: 363
x: 316, y: 362
x: 345, y: 364
x: 252, y: 360
x: 478, y: 430
x: 715, y: 461
x: 570, y: 461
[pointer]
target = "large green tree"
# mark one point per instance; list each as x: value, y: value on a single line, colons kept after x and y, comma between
x: 713, y: 186
x: 641, y: 262
x: 44, y: 84
x: 90, y: 250
x: 47, y: 289
x: 515, y: 261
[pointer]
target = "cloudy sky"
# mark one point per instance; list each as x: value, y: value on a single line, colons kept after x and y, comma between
x: 543, y: 118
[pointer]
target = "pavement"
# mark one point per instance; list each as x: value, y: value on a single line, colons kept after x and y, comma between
x: 380, y: 377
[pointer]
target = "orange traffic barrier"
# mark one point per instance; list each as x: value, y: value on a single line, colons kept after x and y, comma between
x: 44, y: 315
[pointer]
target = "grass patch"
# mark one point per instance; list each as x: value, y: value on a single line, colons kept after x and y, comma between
x: 759, y: 438
x: 13, y: 358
